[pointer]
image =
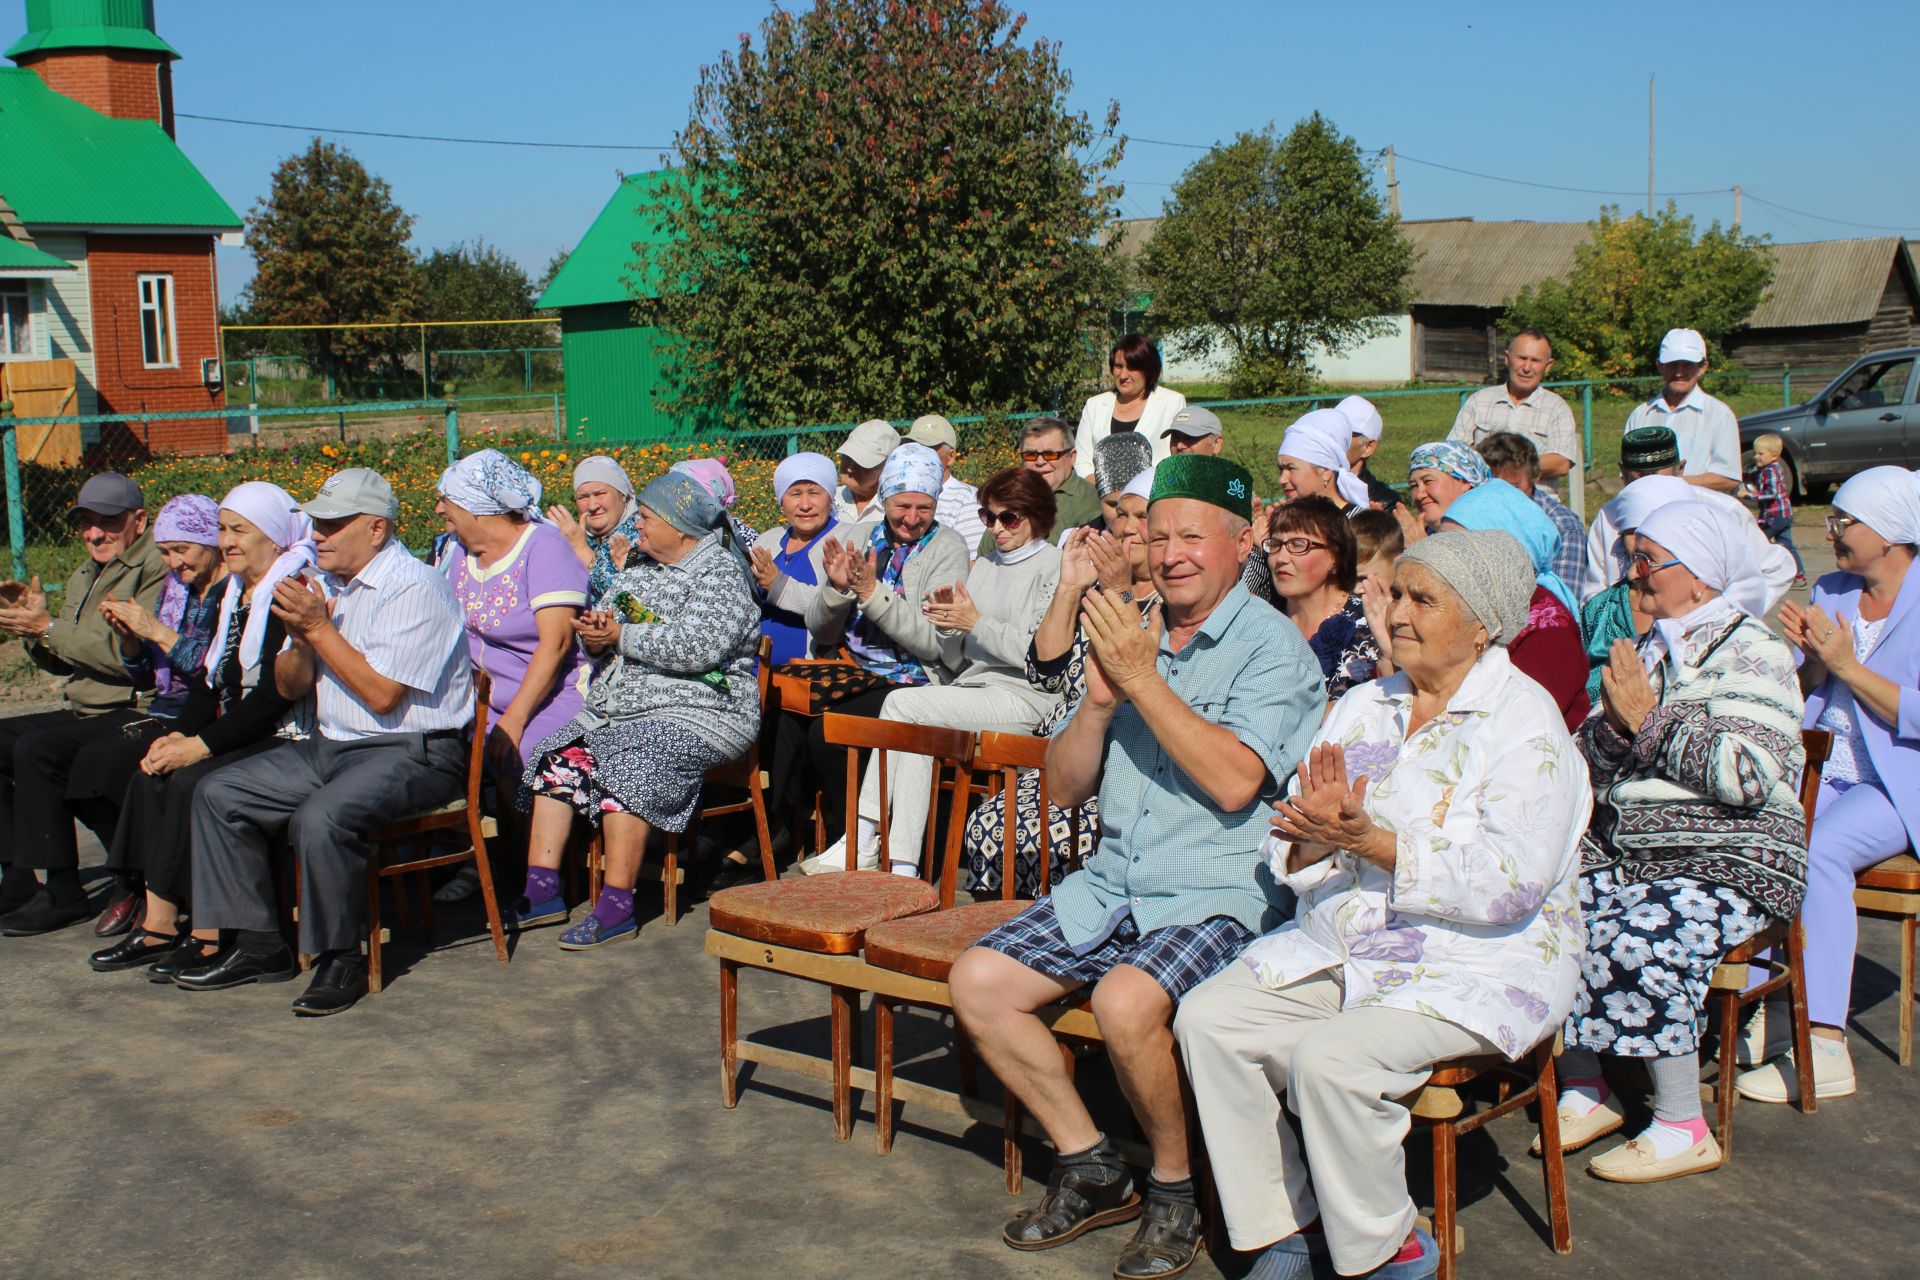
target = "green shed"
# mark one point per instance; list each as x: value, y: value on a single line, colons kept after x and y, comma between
x: 612, y: 361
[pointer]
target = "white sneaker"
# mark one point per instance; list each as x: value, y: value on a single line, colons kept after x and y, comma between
x: 834, y: 858
x: 1778, y: 1081
x: 1767, y: 1035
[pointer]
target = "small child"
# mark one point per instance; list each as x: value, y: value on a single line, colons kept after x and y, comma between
x: 1769, y: 484
x: 1378, y: 543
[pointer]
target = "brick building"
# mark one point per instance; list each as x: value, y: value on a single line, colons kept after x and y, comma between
x: 107, y: 230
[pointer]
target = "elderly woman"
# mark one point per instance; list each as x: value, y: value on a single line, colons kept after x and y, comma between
x: 787, y: 560
x: 1114, y: 558
x: 1116, y: 459
x: 1437, y: 474
x: 1137, y: 403
x: 1616, y: 613
x: 1311, y: 556
x: 233, y: 709
x: 1548, y: 647
x: 1313, y: 463
x: 603, y: 492
x: 676, y: 697
x: 1861, y: 674
x: 1697, y: 840
x: 1432, y: 837
x: 985, y: 625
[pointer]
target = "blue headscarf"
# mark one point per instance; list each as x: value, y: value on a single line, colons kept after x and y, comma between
x: 1498, y: 505
x: 689, y: 506
x: 1450, y: 457
x: 489, y: 483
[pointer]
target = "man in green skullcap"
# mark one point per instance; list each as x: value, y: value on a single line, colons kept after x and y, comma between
x: 1194, y: 716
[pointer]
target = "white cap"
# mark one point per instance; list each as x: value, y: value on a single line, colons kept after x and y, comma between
x: 1362, y: 416
x: 1683, y: 344
x: 933, y: 431
x: 870, y: 443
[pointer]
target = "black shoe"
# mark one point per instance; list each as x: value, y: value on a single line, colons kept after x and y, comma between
x: 1165, y: 1244
x: 137, y: 950
x: 338, y: 984
x: 235, y: 968
x: 188, y: 952
x: 1073, y: 1206
x: 730, y: 873
x: 42, y: 914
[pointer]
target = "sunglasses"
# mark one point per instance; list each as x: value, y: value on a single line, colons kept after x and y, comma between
x: 1641, y: 565
x: 1005, y: 519
x: 1295, y: 546
x: 1043, y: 455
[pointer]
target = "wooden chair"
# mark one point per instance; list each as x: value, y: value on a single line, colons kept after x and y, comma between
x: 1890, y: 890
x: 1728, y: 990
x: 464, y: 812
x: 812, y: 928
x: 742, y: 774
x: 1439, y: 1104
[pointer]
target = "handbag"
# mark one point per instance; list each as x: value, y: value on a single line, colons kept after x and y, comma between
x: 814, y: 686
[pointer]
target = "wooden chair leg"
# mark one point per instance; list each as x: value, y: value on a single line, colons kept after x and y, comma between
x: 670, y: 878
x: 373, y: 917
x: 1802, y: 1025
x: 842, y: 1003
x: 1010, y: 1157
x: 1553, y: 1159
x: 483, y: 867
x: 760, y: 829
x: 402, y: 901
x: 1724, y: 1094
x: 1908, y: 927
x: 729, y: 1032
x: 968, y: 1060
x: 882, y: 1075
x: 1445, y: 1176
x: 596, y: 868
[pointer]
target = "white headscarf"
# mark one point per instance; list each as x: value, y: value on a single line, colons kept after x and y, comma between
x: 1886, y: 500
x: 1141, y: 486
x: 600, y: 469
x: 271, y: 510
x: 1633, y: 504
x: 815, y: 468
x: 1715, y: 549
x: 1320, y: 439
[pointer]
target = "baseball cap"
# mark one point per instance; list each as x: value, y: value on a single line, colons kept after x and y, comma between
x: 1193, y: 421
x: 357, y: 491
x: 1362, y: 416
x: 1683, y: 344
x: 108, y: 494
x: 933, y: 431
x: 870, y: 443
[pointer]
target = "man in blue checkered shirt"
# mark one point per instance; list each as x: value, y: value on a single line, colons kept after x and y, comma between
x: 1187, y: 732
x: 1513, y: 458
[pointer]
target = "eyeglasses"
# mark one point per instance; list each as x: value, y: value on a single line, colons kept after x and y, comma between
x: 1043, y: 455
x: 1295, y: 546
x: 1641, y: 565
x: 1838, y: 525
x: 1005, y: 519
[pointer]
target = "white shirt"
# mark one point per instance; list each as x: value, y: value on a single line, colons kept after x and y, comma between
x: 1606, y: 565
x: 849, y: 510
x: 1096, y: 424
x: 1708, y: 432
x: 1479, y: 922
x: 958, y: 508
x: 401, y: 615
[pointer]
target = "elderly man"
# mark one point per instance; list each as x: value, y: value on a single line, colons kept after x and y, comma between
x: 1522, y: 406
x: 1368, y: 428
x: 1707, y: 430
x: 1512, y: 457
x: 1193, y: 718
x: 37, y: 751
x: 1194, y: 430
x: 958, y: 504
x: 384, y: 652
x: 862, y: 454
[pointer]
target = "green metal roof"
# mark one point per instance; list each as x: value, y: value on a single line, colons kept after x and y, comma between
x: 599, y: 267
x: 15, y: 256
x: 90, y: 24
x: 64, y: 163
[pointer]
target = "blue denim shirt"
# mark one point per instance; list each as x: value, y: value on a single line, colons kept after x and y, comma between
x: 1167, y: 853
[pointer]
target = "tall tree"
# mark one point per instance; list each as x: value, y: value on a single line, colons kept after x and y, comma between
x: 885, y: 208
x: 1632, y: 280
x: 1273, y: 248
x: 330, y: 247
x: 476, y: 282
x: 557, y: 261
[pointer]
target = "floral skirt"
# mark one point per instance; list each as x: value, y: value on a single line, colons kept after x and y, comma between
x: 650, y: 769
x: 1651, y: 952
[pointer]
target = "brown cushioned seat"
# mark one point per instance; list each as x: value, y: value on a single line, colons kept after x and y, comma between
x: 1898, y: 874
x: 927, y: 946
x: 827, y: 913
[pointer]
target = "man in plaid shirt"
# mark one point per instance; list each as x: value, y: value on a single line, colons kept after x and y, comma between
x: 1513, y: 458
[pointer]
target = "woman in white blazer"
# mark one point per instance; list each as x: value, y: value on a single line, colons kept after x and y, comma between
x: 1137, y: 401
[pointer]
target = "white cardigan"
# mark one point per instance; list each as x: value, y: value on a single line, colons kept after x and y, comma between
x: 1096, y: 423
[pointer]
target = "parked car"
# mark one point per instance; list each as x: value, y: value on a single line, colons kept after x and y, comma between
x: 1863, y: 418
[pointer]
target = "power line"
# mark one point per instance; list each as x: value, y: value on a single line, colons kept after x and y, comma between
x: 1864, y: 226
x: 1549, y: 186
x: 431, y: 137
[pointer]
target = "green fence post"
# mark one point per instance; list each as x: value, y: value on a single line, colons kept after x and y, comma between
x: 1586, y: 422
x: 559, y: 425
x: 793, y: 445
x: 453, y: 435
x: 1786, y: 386
x: 526, y: 361
x: 16, y: 513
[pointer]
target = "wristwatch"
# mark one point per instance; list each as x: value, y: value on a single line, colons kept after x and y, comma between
x: 48, y: 633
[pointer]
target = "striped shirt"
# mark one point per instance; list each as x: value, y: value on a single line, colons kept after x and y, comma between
x: 958, y: 508
x: 402, y: 617
x: 1570, y: 562
x: 1542, y: 417
x: 1168, y: 854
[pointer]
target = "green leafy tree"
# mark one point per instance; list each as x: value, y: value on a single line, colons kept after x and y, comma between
x: 1273, y: 248
x: 1632, y: 280
x: 330, y: 247
x: 885, y: 208
x: 557, y: 261
x: 476, y: 282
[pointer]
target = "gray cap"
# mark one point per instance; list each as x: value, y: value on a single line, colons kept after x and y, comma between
x: 357, y: 491
x: 1488, y: 569
x: 932, y: 430
x: 109, y: 494
x: 870, y: 442
x: 1193, y: 421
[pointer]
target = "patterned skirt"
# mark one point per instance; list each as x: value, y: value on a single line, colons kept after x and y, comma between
x: 1651, y: 952
x: 649, y: 768
x: 985, y: 841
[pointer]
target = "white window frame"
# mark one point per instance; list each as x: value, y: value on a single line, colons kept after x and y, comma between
x: 151, y: 286
x: 23, y: 287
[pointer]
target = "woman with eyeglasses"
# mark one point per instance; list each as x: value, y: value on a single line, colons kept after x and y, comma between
x: 1859, y: 643
x: 1137, y: 402
x: 1311, y: 554
x: 1616, y: 613
x: 985, y: 625
x: 1311, y: 463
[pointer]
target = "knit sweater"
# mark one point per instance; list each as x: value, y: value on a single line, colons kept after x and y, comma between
x: 1706, y: 788
x: 1011, y: 599
x: 941, y: 563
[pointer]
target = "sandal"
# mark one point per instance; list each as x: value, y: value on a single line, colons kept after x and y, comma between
x: 1073, y: 1206
x: 1166, y: 1243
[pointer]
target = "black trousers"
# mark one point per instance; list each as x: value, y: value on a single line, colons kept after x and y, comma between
x: 37, y: 754
x: 97, y: 780
x: 155, y: 831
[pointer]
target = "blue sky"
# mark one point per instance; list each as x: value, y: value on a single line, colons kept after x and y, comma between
x: 1792, y: 102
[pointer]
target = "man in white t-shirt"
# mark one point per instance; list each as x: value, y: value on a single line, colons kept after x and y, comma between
x: 958, y: 504
x: 1524, y: 407
x: 1708, y: 431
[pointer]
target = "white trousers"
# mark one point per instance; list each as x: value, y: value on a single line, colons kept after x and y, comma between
x: 910, y: 776
x: 1341, y: 1070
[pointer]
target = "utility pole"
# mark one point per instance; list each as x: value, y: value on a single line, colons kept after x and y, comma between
x: 1736, y: 204
x: 1393, y: 185
x: 1649, y: 144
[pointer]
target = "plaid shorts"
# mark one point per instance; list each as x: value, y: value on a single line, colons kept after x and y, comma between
x: 1179, y: 957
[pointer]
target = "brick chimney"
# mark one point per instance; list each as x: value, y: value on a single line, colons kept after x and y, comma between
x: 102, y: 53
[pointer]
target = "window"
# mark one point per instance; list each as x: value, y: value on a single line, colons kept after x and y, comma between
x: 156, y: 322
x: 1874, y: 386
x: 16, y: 321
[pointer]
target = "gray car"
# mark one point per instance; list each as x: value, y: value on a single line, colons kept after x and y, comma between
x: 1863, y: 418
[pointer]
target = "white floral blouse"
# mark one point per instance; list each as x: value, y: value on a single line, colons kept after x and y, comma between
x: 1479, y: 922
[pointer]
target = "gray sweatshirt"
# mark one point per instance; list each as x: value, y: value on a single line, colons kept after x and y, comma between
x: 1011, y: 598
x: 941, y: 563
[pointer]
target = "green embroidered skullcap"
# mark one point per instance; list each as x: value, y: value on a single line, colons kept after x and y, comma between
x: 1207, y: 478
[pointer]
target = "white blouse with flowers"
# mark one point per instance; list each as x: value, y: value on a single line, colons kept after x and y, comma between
x: 1478, y: 923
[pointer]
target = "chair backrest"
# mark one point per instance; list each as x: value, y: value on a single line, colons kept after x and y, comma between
x: 1008, y: 754
x: 1819, y: 745
x: 950, y: 749
x: 477, y: 747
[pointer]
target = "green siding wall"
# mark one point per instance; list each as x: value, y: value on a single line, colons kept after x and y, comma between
x: 613, y: 374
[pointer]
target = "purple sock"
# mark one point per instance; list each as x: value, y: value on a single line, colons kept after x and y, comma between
x: 542, y: 883
x: 615, y: 906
